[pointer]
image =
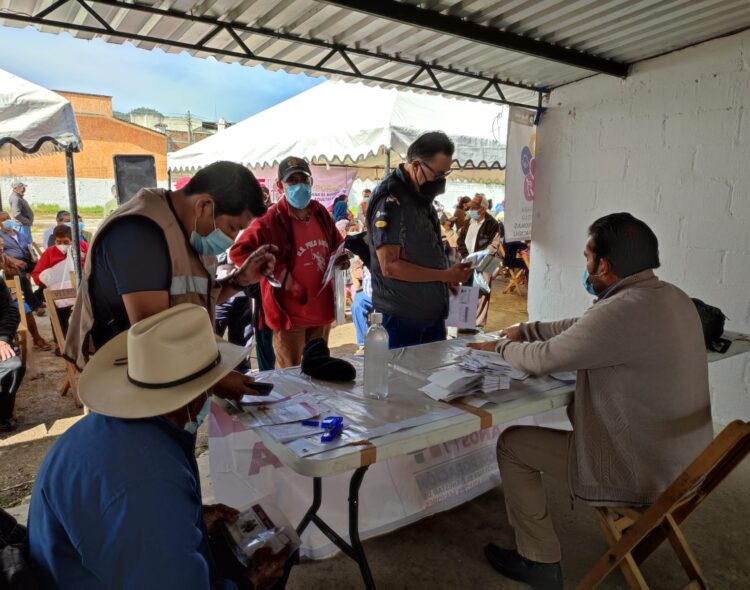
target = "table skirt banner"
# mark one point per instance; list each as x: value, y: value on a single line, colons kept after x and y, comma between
x: 394, y: 493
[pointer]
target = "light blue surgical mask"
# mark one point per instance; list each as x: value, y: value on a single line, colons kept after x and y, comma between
x: 587, y: 283
x: 473, y: 214
x: 9, y: 224
x: 193, y: 426
x: 298, y: 195
x: 215, y: 243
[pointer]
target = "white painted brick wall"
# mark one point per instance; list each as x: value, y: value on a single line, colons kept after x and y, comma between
x: 671, y: 144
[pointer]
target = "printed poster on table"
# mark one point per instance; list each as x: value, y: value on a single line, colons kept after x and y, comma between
x: 520, y: 174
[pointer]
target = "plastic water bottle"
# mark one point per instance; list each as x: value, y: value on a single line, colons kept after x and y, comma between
x: 376, y: 358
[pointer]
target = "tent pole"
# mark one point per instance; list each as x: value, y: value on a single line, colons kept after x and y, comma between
x: 73, y: 202
x: 387, y: 169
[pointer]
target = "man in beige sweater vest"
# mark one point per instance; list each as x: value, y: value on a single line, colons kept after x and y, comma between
x: 641, y: 408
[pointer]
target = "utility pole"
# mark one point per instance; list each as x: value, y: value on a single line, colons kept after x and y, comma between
x: 190, y: 128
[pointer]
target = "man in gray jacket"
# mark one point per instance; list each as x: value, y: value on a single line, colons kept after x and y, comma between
x: 20, y: 209
x: 641, y: 408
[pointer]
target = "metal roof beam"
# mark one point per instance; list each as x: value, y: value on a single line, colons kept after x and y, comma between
x: 243, y: 52
x: 442, y: 23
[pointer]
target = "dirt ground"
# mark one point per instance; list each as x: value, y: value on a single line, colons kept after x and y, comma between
x: 43, y: 414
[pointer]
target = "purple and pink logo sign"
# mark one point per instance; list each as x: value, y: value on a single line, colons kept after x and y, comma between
x: 528, y: 167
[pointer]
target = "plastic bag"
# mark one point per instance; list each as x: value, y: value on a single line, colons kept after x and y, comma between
x: 260, y: 525
x: 58, y: 277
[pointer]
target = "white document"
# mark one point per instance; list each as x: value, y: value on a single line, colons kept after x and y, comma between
x: 331, y: 269
x: 462, y: 309
x: 300, y: 407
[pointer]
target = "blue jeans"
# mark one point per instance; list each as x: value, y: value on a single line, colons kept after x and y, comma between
x: 402, y: 332
x: 361, y: 308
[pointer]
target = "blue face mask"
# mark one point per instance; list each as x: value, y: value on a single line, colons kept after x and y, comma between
x: 298, y: 195
x: 587, y: 284
x: 215, y: 243
x: 366, y: 200
x: 80, y: 225
x: 474, y: 214
x: 193, y: 426
x: 9, y: 224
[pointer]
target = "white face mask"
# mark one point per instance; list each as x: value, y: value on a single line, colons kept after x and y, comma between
x: 63, y: 248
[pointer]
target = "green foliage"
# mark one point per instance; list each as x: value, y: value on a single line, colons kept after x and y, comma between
x: 49, y: 209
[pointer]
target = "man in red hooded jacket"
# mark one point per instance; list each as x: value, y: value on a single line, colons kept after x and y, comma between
x: 306, y: 237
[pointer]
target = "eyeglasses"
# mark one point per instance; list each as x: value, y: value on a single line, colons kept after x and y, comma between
x: 437, y: 175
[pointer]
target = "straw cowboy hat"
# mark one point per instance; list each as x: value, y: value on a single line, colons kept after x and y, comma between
x: 161, y: 364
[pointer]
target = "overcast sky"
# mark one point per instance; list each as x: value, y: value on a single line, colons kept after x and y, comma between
x: 169, y: 83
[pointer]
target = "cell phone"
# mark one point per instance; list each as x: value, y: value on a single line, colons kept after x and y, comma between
x: 259, y: 388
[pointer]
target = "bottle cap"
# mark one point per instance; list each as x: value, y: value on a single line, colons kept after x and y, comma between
x: 376, y: 317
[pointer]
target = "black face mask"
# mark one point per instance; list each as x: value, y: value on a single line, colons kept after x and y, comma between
x: 432, y: 188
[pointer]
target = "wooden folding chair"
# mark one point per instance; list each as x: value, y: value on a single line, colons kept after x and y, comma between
x: 516, y: 274
x: 16, y: 292
x: 50, y: 297
x: 635, y: 533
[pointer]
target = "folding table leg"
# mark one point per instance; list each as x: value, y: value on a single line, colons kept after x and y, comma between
x: 354, y: 550
x: 361, y: 559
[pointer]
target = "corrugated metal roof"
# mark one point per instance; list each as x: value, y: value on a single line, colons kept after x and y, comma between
x: 297, y: 35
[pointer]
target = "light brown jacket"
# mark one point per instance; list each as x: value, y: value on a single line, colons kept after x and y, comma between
x: 641, y: 408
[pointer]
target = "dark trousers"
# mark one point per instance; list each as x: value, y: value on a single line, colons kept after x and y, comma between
x: 11, y: 375
x: 264, y: 349
x: 403, y: 332
x: 235, y: 316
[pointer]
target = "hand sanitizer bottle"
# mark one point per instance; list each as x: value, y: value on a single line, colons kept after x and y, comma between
x: 376, y: 358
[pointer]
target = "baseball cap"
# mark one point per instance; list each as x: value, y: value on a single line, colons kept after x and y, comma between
x: 292, y: 165
x: 17, y: 184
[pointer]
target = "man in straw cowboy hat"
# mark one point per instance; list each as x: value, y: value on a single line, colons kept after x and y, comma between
x: 117, y: 500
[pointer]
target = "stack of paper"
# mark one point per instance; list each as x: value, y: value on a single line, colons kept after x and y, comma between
x: 496, y: 373
x: 452, y: 382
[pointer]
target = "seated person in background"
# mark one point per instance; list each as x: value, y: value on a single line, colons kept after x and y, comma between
x: 63, y: 237
x: 641, y: 410
x: 10, y: 271
x: 18, y: 250
x: 62, y: 217
x: 86, y: 236
x: 117, y: 501
x: 11, y: 367
x: 53, y: 256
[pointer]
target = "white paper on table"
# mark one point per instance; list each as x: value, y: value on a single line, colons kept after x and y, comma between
x: 261, y: 400
x: 564, y: 376
x: 284, y: 433
x: 462, y: 308
x: 300, y: 407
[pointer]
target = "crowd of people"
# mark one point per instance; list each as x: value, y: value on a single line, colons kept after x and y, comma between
x: 153, y: 296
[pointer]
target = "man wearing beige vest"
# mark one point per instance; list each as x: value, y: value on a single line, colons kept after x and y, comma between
x: 641, y: 408
x: 158, y: 250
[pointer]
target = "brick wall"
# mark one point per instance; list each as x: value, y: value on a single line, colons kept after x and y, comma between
x: 671, y: 145
x: 102, y: 137
x: 88, y: 103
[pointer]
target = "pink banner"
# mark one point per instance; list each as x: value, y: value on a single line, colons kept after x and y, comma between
x: 328, y: 182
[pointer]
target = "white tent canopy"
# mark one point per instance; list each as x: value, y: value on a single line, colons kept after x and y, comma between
x: 353, y: 124
x: 34, y: 120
